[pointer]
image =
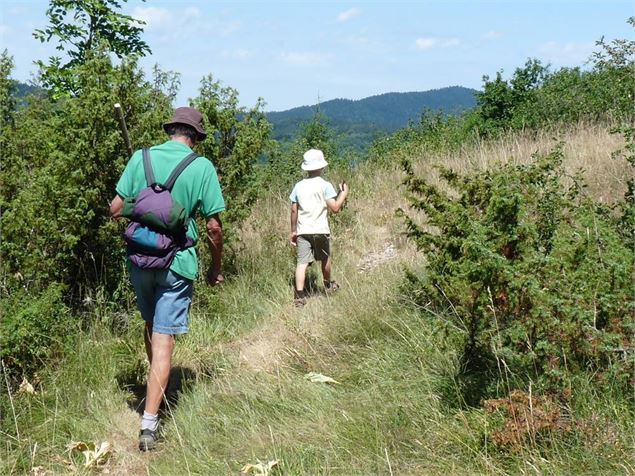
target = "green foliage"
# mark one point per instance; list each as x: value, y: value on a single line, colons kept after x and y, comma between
x: 536, y: 96
x: 62, y: 163
x: 535, y: 274
x: 284, y: 162
x: 7, y: 87
x: 34, y: 328
x: 78, y: 27
x: 236, y: 138
x: 627, y: 206
x: 500, y: 100
x: 434, y: 132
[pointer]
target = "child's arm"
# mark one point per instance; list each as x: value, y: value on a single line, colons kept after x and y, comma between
x: 335, y: 204
x: 294, y: 223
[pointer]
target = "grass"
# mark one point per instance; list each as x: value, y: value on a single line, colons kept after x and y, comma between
x: 398, y: 408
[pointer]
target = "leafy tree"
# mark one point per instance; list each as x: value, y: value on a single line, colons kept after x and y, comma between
x: 536, y: 97
x: 63, y: 163
x: 284, y: 162
x: 7, y: 87
x: 78, y: 26
x: 499, y: 104
x: 236, y: 139
x: 317, y: 134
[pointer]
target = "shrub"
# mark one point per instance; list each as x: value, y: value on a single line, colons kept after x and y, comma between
x: 535, y: 274
x: 63, y: 160
x: 34, y: 328
x: 236, y: 138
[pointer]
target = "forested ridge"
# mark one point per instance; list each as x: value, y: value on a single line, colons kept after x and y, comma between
x: 359, y: 122
x: 486, y: 318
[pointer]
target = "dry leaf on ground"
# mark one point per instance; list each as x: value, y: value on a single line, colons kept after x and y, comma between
x: 261, y: 469
x: 26, y: 387
x: 95, y: 455
x: 39, y: 471
x: 319, y: 378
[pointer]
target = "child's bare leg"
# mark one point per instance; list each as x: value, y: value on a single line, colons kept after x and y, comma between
x: 300, y: 275
x: 326, y: 270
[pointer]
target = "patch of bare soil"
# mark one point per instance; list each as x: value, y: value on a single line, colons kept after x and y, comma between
x: 372, y: 260
x: 126, y: 456
x: 268, y: 348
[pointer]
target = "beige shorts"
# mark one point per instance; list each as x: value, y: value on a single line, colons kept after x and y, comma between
x: 313, y: 248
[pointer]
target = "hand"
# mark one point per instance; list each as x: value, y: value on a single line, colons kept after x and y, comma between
x: 214, y: 278
x: 344, y: 188
x: 294, y: 238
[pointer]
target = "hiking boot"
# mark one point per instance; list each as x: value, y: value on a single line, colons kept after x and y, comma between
x: 148, y: 439
x: 331, y: 286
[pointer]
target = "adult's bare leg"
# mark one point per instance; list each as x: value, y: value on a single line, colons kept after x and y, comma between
x: 161, y: 349
x: 147, y: 340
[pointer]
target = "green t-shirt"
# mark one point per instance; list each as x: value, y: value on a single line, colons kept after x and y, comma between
x: 196, y: 189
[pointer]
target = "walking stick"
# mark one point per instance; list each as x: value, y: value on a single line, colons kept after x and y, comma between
x: 124, y: 129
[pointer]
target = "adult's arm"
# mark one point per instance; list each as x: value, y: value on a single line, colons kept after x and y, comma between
x: 215, y: 242
x: 335, y: 204
x: 116, y: 207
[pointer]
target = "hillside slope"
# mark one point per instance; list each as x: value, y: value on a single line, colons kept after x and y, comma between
x: 363, y: 119
x: 239, y: 393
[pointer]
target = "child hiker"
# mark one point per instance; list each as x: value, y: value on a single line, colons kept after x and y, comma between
x: 310, y: 232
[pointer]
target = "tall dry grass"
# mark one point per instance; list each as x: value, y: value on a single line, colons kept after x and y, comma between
x: 586, y: 147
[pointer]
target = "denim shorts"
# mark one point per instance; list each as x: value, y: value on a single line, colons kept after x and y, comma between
x: 164, y: 299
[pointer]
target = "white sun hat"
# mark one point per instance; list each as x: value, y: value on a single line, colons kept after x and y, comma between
x: 313, y: 160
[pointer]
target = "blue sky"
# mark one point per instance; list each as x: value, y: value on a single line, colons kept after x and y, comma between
x: 292, y: 53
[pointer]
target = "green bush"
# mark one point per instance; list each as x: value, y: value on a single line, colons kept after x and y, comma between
x: 535, y: 275
x: 34, y: 328
x: 236, y: 138
x: 536, y: 97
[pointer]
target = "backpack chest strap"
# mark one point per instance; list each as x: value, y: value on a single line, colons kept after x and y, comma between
x: 169, y: 183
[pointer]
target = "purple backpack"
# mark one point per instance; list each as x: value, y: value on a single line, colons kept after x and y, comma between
x: 158, y: 222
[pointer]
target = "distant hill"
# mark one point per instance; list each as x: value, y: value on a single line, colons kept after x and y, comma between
x: 22, y: 90
x: 358, y: 122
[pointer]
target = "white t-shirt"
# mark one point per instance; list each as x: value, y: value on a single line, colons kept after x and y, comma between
x: 311, y: 195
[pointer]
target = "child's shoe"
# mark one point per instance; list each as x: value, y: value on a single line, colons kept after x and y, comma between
x: 299, y: 300
x: 331, y: 286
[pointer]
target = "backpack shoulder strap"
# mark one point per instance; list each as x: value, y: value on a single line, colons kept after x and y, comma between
x: 147, y: 167
x: 169, y: 183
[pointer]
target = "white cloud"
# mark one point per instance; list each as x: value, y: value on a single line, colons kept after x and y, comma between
x: 303, y: 58
x: 570, y: 52
x: 348, y: 14
x: 154, y: 17
x: 431, y: 42
x: 491, y: 35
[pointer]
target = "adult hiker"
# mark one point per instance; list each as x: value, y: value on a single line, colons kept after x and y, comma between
x: 163, y: 282
x: 311, y: 199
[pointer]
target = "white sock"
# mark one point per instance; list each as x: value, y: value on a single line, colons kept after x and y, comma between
x: 150, y: 421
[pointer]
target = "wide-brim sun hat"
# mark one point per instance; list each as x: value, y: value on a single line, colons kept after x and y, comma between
x: 313, y: 160
x: 189, y: 116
